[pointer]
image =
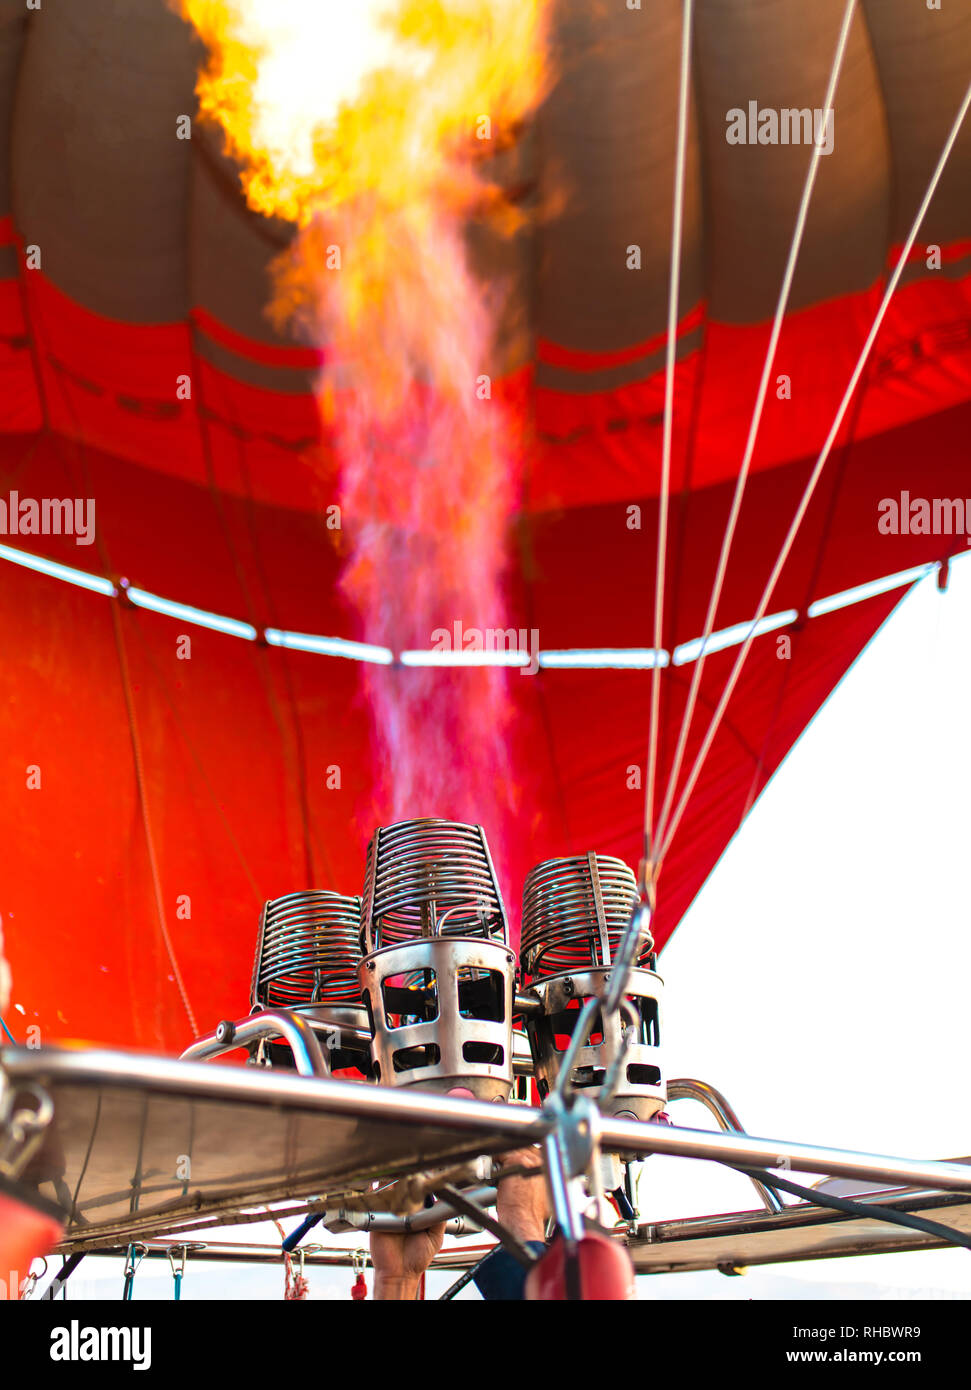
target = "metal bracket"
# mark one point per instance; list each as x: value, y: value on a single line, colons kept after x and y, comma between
x: 628, y: 1037
x: 572, y: 1150
x: 21, y: 1130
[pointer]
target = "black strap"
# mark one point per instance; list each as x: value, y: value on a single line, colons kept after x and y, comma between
x: 67, y: 1269
x: 471, y: 1209
x: 851, y: 1208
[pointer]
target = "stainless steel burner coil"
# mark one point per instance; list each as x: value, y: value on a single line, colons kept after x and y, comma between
x: 308, y: 951
x: 575, y: 912
x: 429, y: 878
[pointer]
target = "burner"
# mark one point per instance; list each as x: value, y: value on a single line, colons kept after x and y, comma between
x: 438, y: 976
x: 307, y: 958
x: 426, y: 878
x: 575, y: 912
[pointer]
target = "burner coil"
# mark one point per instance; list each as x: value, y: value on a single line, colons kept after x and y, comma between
x: 575, y: 912
x: 308, y: 952
x: 430, y: 877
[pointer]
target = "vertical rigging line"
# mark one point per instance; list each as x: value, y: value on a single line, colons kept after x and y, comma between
x: 817, y: 471
x: 810, y: 590
x: 677, y: 223
x: 795, y: 246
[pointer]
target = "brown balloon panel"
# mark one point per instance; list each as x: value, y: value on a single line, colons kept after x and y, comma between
x: 575, y: 913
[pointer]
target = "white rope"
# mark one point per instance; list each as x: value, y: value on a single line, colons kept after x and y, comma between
x: 814, y: 478
x: 674, y: 287
x: 795, y: 246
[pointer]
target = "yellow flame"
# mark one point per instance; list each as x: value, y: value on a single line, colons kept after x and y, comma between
x: 325, y: 101
x: 368, y: 124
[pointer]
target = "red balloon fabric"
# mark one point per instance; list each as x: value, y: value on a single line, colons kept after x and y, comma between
x: 151, y: 801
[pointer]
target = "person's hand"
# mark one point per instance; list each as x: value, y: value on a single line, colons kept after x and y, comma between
x: 522, y: 1203
x: 400, y: 1261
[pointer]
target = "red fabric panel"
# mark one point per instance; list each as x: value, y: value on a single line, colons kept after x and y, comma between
x: 921, y: 364
x: 26, y: 1234
x: 114, y: 386
x: 591, y: 578
x: 218, y: 746
x: 218, y: 501
x: 221, y: 754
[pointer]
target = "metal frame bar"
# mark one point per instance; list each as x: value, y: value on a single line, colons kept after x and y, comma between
x: 245, y: 1252
x: 665, y: 1236
x: 679, y: 1234
x: 687, y: 1088
x: 496, y: 1127
x: 479, y: 1126
x: 268, y: 1024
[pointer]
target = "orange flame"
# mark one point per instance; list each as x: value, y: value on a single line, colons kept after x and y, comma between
x: 360, y: 124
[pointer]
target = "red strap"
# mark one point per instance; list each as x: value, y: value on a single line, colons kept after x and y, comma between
x: 359, y: 1288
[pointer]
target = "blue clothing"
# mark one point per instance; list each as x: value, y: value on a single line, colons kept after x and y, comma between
x: 500, y: 1275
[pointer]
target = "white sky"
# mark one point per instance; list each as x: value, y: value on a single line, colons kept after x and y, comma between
x: 820, y: 979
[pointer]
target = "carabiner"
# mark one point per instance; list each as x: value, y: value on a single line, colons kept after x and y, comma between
x: 131, y: 1265
x: 30, y: 1280
x: 178, y: 1270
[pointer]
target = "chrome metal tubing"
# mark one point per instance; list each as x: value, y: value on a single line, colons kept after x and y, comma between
x: 490, y: 1128
x: 749, y: 1151
x: 400, y: 1226
x: 349, y: 1023
x: 271, y: 1023
x: 687, y: 1088
x: 246, y: 1252
x: 567, y: 1217
x: 526, y: 1004
x: 419, y: 1220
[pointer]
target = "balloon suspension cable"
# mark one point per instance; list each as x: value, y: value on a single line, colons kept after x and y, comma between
x: 717, y: 716
x: 728, y: 538
x: 677, y: 226
x: 637, y: 937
